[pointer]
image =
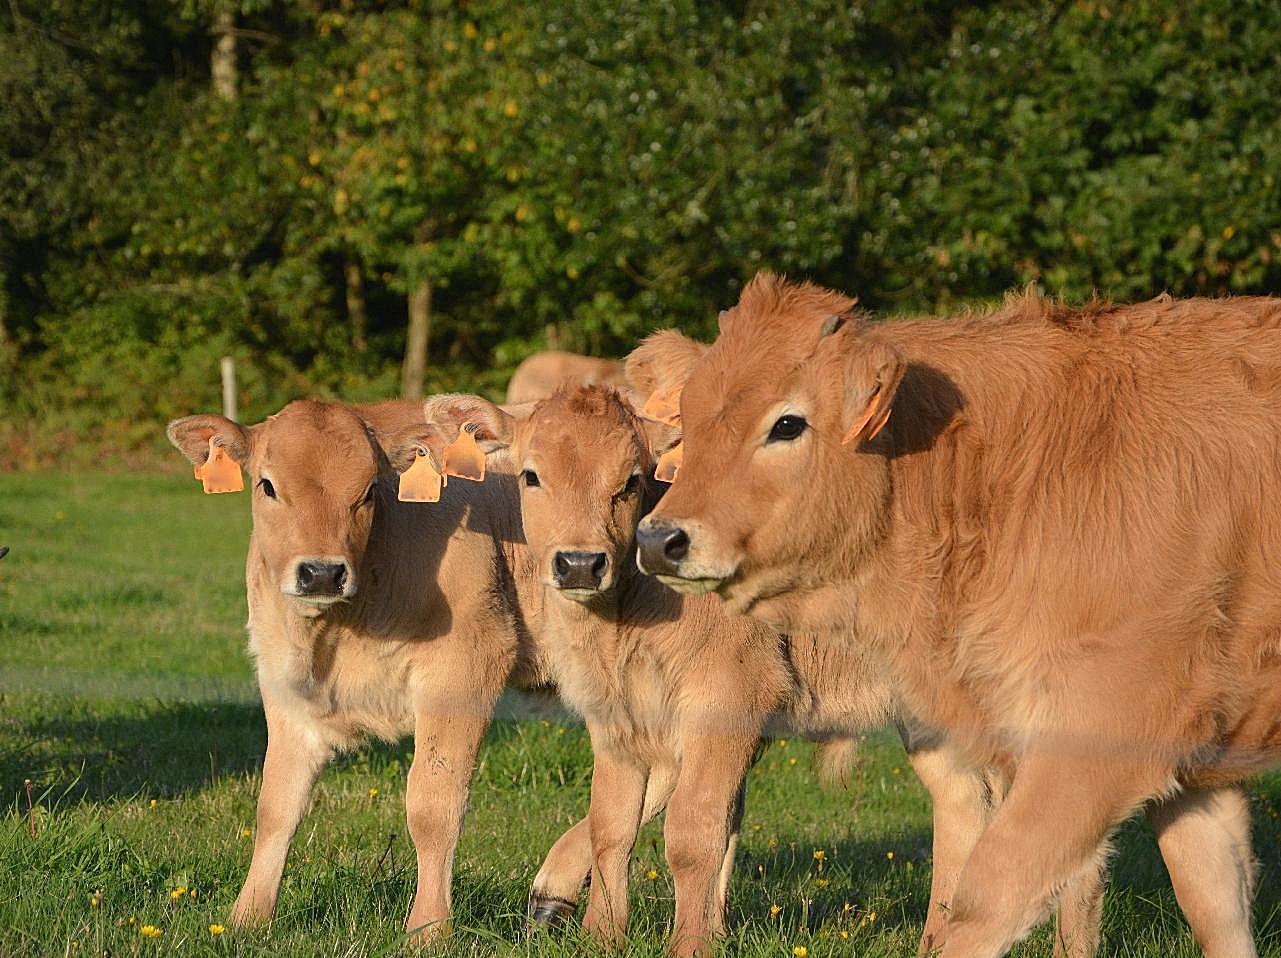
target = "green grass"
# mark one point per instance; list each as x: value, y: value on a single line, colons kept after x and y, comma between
x: 123, y: 683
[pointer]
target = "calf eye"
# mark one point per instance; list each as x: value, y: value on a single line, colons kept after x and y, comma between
x: 267, y: 488
x: 633, y: 483
x: 369, y: 495
x: 787, y: 428
x: 530, y: 478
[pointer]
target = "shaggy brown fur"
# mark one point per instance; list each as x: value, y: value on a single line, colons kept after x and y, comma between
x: 419, y: 634
x: 543, y: 373
x: 1065, y: 541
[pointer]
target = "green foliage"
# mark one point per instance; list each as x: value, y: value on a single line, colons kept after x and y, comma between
x: 578, y: 174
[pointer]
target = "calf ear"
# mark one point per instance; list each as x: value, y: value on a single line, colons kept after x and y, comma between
x: 191, y: 436
x: 661, y: 363
x: 873, y: 370
x: 493, y: 425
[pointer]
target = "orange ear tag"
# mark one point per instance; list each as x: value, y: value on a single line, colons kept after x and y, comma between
x: 420, y: 482
x: 463, y: 458
x: 220, y: 473
x: 664, y: 406
x: 669, y: 463
x: 863, y: 420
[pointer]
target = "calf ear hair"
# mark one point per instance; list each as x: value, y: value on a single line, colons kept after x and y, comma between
x: 191, y: 436
x: 662, y: 361
x: 873, y: 370
x: 450, y: 411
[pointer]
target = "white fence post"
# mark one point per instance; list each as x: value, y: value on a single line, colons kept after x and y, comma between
x: 229, y: 388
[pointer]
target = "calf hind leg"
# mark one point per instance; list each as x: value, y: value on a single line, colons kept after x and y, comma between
x: 553, y: 898
x: 1205, y: 840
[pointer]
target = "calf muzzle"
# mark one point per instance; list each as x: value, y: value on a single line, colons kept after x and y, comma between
x: 318, y: 578
x: 579, y: 570
x: 660, y: 548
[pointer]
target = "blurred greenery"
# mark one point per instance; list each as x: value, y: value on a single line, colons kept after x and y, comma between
x: 577, y: 174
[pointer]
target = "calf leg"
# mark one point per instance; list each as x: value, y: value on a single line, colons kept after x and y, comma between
x: 962, y: 801
x: 1205, y: 840
x: 567, y: 868
x: 700, y: 832
x: 554, y: 895
x: 1049, y: 831
x: 614, y: 816
x: 1080, y: 913
x: 449, y: 723
x: 295, y: 758
x: 727, y: 866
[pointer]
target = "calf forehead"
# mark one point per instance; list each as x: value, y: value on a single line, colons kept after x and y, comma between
x: 317, y: 447
x: 584, y: 433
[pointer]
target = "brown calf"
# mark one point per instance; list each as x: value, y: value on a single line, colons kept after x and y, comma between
x: 674, y: 720
x: 1059, y: 526
x: 367, y: 616
x: 543, y: 373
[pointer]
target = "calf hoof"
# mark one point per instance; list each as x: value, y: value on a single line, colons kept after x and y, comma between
x: 547, y: 911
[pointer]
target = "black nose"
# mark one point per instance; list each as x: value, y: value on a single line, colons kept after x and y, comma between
x: 321, y: 578
x: 661, y: 549
x: 579, y: 570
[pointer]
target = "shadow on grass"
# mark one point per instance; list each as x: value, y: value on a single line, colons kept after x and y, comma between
x: 96, y: 752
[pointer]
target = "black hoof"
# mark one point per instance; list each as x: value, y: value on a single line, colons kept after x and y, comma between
x: 547, y: 912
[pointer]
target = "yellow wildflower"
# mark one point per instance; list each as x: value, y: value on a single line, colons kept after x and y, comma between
x: 800, y: 951
x: 822, y: 882
x: 774, y: 910
x: 890, y: 856
x: 510, y: 109
x: 154, y: 803
x: 245, y: 833
x: 216, y: 929
x: 819, y: 855
x: 845, y: 933
x: 651, y: 874
x: 150, y: 931
x: 373, y: 793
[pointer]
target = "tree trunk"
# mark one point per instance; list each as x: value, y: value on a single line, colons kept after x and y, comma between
x: 415, y: 367
x: 357, y: 314
x: 222, y: 62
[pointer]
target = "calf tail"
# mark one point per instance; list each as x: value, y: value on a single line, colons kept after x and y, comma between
x: 835, y: 759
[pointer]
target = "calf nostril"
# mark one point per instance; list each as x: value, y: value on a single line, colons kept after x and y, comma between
x: 340, y: 579
x: 560, y: 564
x: 598, y: 566
x: 306, y: 574
x: 676, y: 547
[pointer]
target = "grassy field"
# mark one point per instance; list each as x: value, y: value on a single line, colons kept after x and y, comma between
x: 128, y: 702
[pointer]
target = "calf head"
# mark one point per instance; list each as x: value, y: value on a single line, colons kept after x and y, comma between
x: 317, y: 472
x: 585, y: 461
x: 784, y: 482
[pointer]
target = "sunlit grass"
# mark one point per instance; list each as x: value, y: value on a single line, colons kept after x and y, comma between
x: 127, y: 701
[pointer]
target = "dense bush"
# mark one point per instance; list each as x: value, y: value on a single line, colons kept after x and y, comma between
x: 576, y: 174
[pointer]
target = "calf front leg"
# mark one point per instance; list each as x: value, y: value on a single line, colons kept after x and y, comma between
x: 449, y: 723
x: 295, y: 757
x: 1049, y: 831
x: 1205, y: 840
x: 700, y: 833
x: 614, y: 817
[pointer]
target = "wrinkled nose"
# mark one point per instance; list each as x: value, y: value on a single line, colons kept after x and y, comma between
x: 579, y: 570
x: 660, y: 548
x: 321, y: 578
